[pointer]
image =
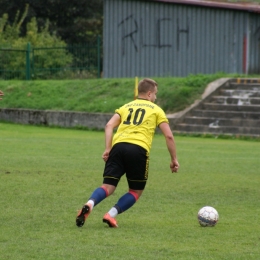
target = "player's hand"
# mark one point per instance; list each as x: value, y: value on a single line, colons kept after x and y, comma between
x: 105, y: 155
x: 174, y: 165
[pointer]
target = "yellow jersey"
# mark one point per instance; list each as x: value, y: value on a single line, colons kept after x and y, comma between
x: 139, y: 119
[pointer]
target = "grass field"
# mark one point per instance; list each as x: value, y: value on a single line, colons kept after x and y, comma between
x: 47, y: 174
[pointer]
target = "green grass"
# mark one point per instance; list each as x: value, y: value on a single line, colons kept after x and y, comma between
x: 100, y: 95
x: 46, y: 175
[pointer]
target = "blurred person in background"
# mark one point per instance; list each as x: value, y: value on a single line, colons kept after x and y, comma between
x: 1, y: 94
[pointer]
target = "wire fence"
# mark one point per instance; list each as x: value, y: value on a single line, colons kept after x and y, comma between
x: 65, y: 62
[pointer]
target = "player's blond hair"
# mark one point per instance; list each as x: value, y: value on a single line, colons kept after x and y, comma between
x: 146, y: 85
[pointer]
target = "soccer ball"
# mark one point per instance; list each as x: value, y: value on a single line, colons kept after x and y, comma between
x: 208, y: 216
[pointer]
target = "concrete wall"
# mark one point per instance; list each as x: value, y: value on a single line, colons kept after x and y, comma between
x: 54, y: 118
x: 67, y: 119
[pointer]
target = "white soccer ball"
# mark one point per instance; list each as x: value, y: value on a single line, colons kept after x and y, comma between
x: 208, y: 216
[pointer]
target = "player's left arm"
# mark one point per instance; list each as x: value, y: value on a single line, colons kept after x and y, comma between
x: 110, y: 126
x: 170, y: 142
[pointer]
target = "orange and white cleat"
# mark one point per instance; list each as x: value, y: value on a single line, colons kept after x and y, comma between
x: 110, y: 221
x: 82, y: 215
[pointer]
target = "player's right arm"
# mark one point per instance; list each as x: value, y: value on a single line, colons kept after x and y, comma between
x: 166, y: 130
x: 110, y: 126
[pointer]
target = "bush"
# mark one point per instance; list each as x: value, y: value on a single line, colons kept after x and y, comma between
x: 13, y: 48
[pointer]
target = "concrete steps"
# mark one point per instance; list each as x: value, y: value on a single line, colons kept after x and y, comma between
x: 229, y: 130
x: 223, y: 114
x: 233, y: 108
x: 220, y: 122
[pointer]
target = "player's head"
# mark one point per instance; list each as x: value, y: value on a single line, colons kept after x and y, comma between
x: 148, y: 88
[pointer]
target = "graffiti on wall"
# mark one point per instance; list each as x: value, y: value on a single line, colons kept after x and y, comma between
x: 132, y: 31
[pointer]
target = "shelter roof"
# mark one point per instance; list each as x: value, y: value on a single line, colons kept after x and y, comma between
x: 243, y: 6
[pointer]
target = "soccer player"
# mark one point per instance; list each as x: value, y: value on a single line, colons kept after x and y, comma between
x: 1, y: 94
x: 127, y: 152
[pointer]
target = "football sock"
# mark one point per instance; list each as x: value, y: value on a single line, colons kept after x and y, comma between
x: 113, y: 212
x: 98, y: 195
x: 126, y: 202
x: 91, y: 203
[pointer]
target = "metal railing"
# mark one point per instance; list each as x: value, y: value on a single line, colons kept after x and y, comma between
x: 66, y: 62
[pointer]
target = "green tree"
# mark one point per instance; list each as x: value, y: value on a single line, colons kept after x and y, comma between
x: 14, y: 60
x: 75, y: 21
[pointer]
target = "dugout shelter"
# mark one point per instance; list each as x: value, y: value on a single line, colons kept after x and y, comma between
x: 163, y: 38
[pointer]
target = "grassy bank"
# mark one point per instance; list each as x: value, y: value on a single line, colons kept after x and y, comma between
x: 100, y: 95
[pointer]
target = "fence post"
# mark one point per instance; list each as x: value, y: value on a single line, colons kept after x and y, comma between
x: 28, y: 65
x: 98, y: 55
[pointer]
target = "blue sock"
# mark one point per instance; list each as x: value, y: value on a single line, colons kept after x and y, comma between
x: 98, y: 195
x: 125, y: 202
